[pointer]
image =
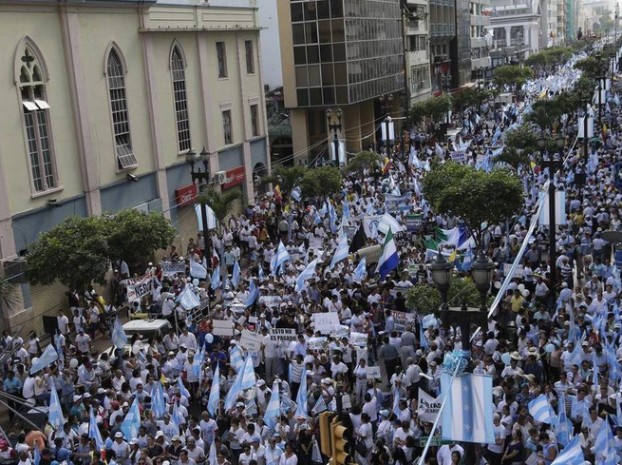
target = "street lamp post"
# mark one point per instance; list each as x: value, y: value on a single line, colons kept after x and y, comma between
x: 601, y: 86
x: 554, y: 163
x: 201, y: 177
x: 585, y: 121
x: 336, y: 128
x: 386, y: 102
x: 464, y: 317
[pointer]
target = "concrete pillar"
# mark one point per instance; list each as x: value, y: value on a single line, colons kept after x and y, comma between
x: 300, y: 134
x: 508, y: 40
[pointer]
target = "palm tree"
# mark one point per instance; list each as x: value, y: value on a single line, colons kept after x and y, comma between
x: 220, y: 203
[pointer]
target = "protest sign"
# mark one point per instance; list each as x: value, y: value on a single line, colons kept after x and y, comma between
x: 283, y: 334
x: 139, y: 288
x: 394, y: 203
x: 428, y: 406
x: 403, y: 321
x: 458, y: 157
x: 316, y: 343
x: 373, y: 372
x: 325, y: 323
x: 250, y: 341
x: 413, y: 222
x: 358, y: 339
x: 173, y: 268
x: 222, y: 328
x: 271, y: 301
x: 518, y: 273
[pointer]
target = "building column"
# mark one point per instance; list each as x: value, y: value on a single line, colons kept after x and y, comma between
x: 508, y: 37
x: 72, y: 44
x: 208, y: 121
x: 154, y: 118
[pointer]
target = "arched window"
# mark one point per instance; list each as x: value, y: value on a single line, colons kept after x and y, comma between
x: 178, y: 72
x: 115, y: 71
x: 32, y: 80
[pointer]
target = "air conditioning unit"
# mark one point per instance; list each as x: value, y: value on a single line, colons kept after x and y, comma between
x: 220, y: 177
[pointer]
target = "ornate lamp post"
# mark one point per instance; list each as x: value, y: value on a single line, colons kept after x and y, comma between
x: 336, y: 128
x: 201, y: 177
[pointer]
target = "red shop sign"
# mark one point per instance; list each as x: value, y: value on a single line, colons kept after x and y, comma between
x: 235, y: 176
x: 185, y: 195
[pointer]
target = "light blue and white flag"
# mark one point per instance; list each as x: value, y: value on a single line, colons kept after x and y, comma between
x: 346, y: 210
x: 396, y: 401
x: 48, y: 357
x: 423, y: 341
x: 601, y: 443
x: 301, y: 397
x: 320, y: 406
x: 332, y: 218
x: 212, y: 458
x: 182, y: 389
x: 341, y: 252
x: 158, y: 404
x: 361, y: 270
x: 467, y: 416
x: 260, y: 274
x: 572, y: 454
x: 253, y: 294
x: 214, y: 393
x: 55, y: 411
x: 563, y: 427
x: 273, y: 410
x: 235, y: 391
x: 216, y: 280
x: 540, y: 409
x: 177, y: 418
x: 248, y: 374
x: 305, y: 274
x: 236, y: 274
x: 388, y: 260
x: 188, y: 299
x: 36, y: 458
x: 94, y: 432
x: 235, y: 358
x: 197, y: 270
x: 131, y: 423
x: 296, y: 194
x: 281, y: 256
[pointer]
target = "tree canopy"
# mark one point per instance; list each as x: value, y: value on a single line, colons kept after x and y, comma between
x: 470, y: 97
x: 593, y: 66
x: 220, y: 203
x: 426, y: 299
x: 362, y: 161
x: 474, y: 195
x: 287, y: 177
x: 551, y: 56
x: 515, y: 75
x: 435, y: 108
x: 320, y: 181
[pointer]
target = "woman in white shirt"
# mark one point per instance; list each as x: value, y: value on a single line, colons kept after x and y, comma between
x: 288, y: 457
x: 365, y: 434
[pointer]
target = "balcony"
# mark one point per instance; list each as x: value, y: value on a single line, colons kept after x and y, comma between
x: 478, y: 42
x: 481, y: 63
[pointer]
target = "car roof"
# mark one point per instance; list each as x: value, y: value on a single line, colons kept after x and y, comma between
x: 145, y: 325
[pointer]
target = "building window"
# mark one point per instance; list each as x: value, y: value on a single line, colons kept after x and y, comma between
x: 221, y: 53
x: 118, y: 108
x: 226, y: 127
x: 37, y: 122
x: 255, y: 119
x: 181, y: 101
x: 250, y: 57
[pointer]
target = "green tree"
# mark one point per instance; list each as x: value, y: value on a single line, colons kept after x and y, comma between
x: 435, y: 108
x: 75, y: 252
x: 426, y: 299
x: 221, y: 203
x: 287, y: 177
x: 362, y: 161
x: 133, y: 236
x: 514, y: 75
x: 470, y: 97
x: 473, y: 195
x: 593, y: 66
x: 523, y: 138
x: 320, y: 181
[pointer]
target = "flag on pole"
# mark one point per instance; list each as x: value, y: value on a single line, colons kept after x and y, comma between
x: 235, y: 359
x: 281, y: 256
x: 467, y: 416
x: 131, y: 423
x: 319, y: 407
x: 388, y: 260
x: 214, y: 393
x: 301, y: 397
x: 216, y: 281
x: 341, y: 252
x: 48, y: 357
x: 305, y: 274
x: 235, y: 391
x: 572, y: 454
x: 55, y: 411
x: 346, y: 210
x: 248, y: 374
x: 36, y: 459
x: 253, y: 294
x: 563, y: 427
x: 423, y: 341
x: 182, y: 389
x: 396, y: 401
x: 540, y: 409
x: 177, y: 417
x: 273, y: 410
x: 94, y: 432
x: 212, y: 458
x: 361, y: 270
x: 197, y: 270
x: 158, y: 405
x: 260, y: 274
x: 236, y: 274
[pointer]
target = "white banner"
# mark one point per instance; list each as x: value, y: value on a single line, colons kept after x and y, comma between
x: 428, y: 406
x: 283, y: 334
x: 250, y: 341
x: 325, y: 322
x: 139, y: 289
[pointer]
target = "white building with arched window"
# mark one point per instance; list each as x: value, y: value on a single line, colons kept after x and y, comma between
x: 102, y: 100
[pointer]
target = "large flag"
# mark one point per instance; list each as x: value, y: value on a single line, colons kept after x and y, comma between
x: 214, y: 393
x: 281, y: 256
x: 467, y: 416
x: 188, y: 299
x: 248, y: 374
x: 131, y: 423
x: 273, y: 410
x: 359, y: 239
x: 389, y: 259
x: 301, y: 398
x: 197, y: 270
x: 212, y: 458
x: 320, y: 406
x: 177, y: 417
x: 305, y: 274
x: 48, y: 357
x: 55, y: 411
x: 235, y: 358
x: 361, y: 270
x: 119, y: 338
x: 236, y: 275
x: 94, y: 432
x: 216, y: 280
x: 428, y: 406
x: 341, y: 252
x: 388, y: 223
x: 563, y: 427
x: 253, y: 294
x: 182, y: 389
x: 540, y: 409
x: 158, y: 405
x: 572, y: 454
x: 235, y: 391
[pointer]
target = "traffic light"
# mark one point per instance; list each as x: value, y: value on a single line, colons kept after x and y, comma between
x: 325, y: 433
x: 339, y: 444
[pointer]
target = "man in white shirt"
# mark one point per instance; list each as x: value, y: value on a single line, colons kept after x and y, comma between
x: 443, y: 456
x: 63, y: 323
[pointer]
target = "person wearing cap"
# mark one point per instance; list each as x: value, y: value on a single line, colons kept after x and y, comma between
x: 83, y: 342
x: 195, y: 452
x: 173, y: 450
x: 121, y: 449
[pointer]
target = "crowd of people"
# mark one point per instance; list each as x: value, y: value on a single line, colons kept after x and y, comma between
x: 565, y: 348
